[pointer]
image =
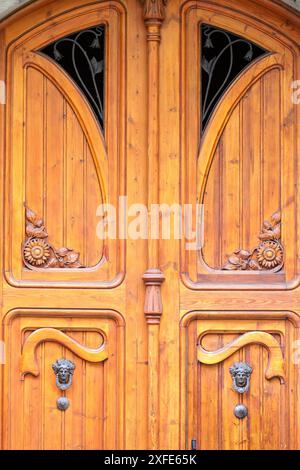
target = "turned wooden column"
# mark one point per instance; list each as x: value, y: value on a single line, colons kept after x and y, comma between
x: 154, y: 14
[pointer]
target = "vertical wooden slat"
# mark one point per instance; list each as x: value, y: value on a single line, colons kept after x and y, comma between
x: 209, y: 423
x: 253, y: 400
x: 94, y: 408
x: 14, y: 430
x: 271, y: 132
x: 93, y: 199
x: 250, y: 190
x: 231, y: 424
x: 110, y: 386
x: 271, y: 422
x: 55, y: 165
x: 191, y: 397
x: 74, y: 415
x: 35, y: 141
x: 74, y: 190
x: 52, y: 416
x: 33, y: 408
x: 212, y: 203
x: 230, y: 227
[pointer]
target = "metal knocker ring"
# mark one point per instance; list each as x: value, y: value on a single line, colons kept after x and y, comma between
x: 64, y: 370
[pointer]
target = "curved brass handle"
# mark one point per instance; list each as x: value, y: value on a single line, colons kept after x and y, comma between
x: 276, y: 363
x: 29, y: 363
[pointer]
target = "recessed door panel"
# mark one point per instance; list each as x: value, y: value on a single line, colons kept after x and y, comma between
x: 259, y: 354
x: 35, y: 389
x: 239, y: 132
x: 65, y: 160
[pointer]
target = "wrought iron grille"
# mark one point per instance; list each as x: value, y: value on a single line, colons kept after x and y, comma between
x: 82, y: 56
x: 224, y: 56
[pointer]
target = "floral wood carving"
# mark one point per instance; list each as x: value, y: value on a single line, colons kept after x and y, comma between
x: 39, y: 253
x: 267, y: 256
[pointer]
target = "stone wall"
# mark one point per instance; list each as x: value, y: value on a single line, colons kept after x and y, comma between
x: 7, y: 6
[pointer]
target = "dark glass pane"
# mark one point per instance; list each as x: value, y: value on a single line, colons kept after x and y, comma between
x: 223, y: 57
x: 82, y: 55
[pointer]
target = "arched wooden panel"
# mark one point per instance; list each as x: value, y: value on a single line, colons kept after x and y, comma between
x: 243, y: 185
x: 243, y: 167
x: 60, y: 164
x: 62, y: 184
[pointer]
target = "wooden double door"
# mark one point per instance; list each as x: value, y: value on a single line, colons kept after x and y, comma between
x: 113, y: 338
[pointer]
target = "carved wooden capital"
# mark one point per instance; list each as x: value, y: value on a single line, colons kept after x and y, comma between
x: 154, y: 9
x: 154, y: 15
x: 153, y: 279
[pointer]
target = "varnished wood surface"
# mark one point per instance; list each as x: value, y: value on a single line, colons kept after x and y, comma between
x: 152, y: 391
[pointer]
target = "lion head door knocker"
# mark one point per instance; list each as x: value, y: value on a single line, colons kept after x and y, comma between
x: 64, y: 370
x: 240, y: 373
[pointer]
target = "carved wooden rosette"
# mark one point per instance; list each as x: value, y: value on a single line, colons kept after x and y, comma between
x: 154, y: 14
x: 38, y: 253
x: 267, y: 256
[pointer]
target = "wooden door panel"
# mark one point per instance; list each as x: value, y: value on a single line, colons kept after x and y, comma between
x: 57, y: 178
x: 191, y: 319
x: 62, y: 165
x: 211, y: 399
x: 94, y: 417
x: 241, y: 167
x: 244, y: 183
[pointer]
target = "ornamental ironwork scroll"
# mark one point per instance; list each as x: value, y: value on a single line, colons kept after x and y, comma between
x: 82, y: 56
x: 224, y: 56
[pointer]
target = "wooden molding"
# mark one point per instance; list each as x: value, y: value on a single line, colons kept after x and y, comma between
x: 276, y: 362
x: 154, y: 14
x: 29, y: 363
x: 153, y: 309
